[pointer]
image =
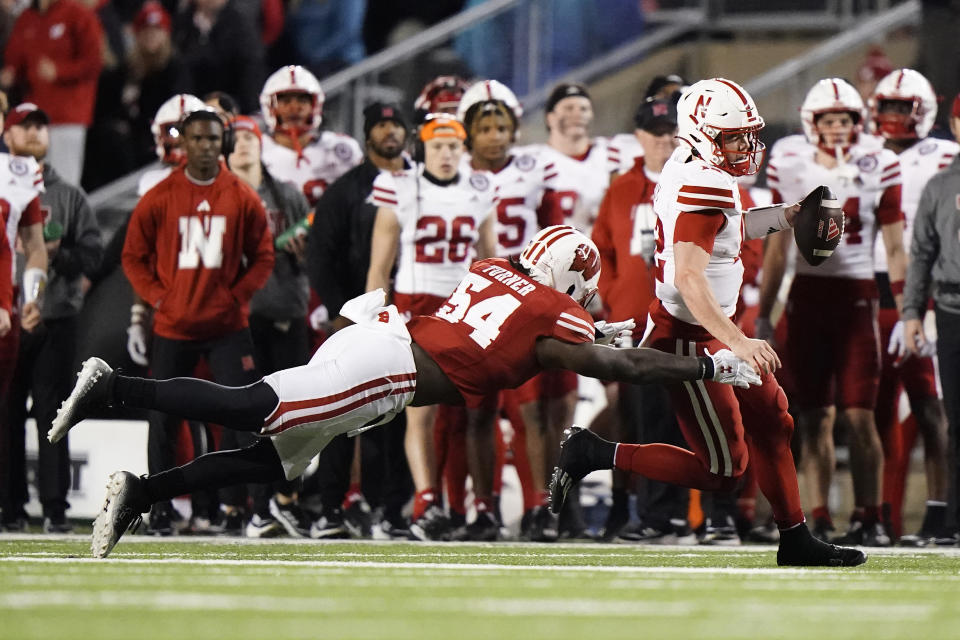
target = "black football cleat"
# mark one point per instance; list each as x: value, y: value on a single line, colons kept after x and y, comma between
x: 581, y: 452
x: 91, y: 393
x: 798, y: 548
x: 122, y: 510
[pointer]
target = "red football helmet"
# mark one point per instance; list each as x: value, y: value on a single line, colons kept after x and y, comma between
x: 440, y: 95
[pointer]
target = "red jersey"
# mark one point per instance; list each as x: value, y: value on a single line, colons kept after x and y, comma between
x: 483, y: 336
x: 69, y: 34
x: 184, y: 254
x: 624, y: 225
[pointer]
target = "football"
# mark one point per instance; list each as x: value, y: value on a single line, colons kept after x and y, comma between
x: 819, y: 225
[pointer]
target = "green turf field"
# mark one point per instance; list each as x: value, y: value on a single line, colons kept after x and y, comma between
x: 190, y: 589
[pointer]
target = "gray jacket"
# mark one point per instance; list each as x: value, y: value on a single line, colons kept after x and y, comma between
x: 935, y: 249
x: 80, y: 248
x: 287, y: 292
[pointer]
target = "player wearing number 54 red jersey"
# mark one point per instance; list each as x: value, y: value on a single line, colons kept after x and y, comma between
x: 505, y: 322
x: 832, y: 349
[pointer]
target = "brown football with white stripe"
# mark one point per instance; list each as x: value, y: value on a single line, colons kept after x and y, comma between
x: 819, y: 226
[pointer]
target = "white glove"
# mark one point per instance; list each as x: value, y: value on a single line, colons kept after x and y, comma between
x: 622, y: 332
x: 928, y: 349
x: 728, y: 368
x: 137, y: 344
x: 897, y: 346
x: 764, y: 330
x: 319, y: 318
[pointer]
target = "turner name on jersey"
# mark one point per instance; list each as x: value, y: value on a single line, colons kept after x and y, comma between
x: 319, y: 163
x: 439, y: 227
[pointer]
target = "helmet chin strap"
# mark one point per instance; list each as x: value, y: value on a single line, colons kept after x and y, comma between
x: 294, y: 133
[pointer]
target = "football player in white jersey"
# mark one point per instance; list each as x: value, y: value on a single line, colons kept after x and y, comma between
x: 21, y: 182
x: 700, y: 229
x: 491, y: 113
x: 584, y: 165
x: 295, y: 150
x: 903, y: 108
x: 432, y: 222
x: 831, y: 350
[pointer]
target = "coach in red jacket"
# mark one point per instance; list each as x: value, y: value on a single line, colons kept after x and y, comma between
x: 197, y: 248
x: 54, y: 56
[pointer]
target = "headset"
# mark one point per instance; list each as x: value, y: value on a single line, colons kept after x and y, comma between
x: 228, y: 140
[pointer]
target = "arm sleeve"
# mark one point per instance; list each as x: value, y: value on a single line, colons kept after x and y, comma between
x: 890, y: 175
x: 700, y: 228
x: 328, y: 247
x: 139, y: 253
x: 84, y: 251
x: 258, y: 248
x: 384, y: 192
x: 32, y: 214
x: 889, y: 210
x: 13, y: 55
x: 574, y: 325
x: 924, y: 251
x: 89, y: 41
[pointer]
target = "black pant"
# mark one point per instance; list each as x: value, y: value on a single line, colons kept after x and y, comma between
x: 948, y: 354
x: 279, y: 345
x: 647, y: 414
x: 231, y: 361
x: 44, y: 371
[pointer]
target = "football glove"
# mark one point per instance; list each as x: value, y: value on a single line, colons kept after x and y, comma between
x: 137, y: 344
x: 728, y: 368
x: 617, y: 333
x: 897, y: 346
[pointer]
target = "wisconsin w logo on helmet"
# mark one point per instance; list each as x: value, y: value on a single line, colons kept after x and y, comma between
x: 587, y: 261
x: 564, y: 259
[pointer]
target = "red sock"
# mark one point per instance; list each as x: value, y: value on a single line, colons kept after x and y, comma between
x: 353, y: 495
x: 422, y: 500
x: 666, y: 463
x: 822, y: 513
x: 871, y: 514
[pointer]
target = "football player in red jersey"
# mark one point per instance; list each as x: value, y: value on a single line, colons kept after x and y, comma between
x: 505, y: 322
x: 701, y: 226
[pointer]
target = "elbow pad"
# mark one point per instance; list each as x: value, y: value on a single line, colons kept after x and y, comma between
x: 34, y: 282
x: 762, y: 221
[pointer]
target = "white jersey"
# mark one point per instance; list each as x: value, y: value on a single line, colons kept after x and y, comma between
x: 21, y: 180
x: 152, y: 178
x: 319, y: 164
x: 859, y: 183
x: 579, y: 185
x: 627, y: 148
x: 518, y: 196
x: 689, y: 186
x: 439, y: 227
x: 918, y: 164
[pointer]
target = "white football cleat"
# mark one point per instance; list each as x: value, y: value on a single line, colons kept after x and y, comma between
x: 91, y: 392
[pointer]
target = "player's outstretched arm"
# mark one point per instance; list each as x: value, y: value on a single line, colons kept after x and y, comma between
x: 643, y: 366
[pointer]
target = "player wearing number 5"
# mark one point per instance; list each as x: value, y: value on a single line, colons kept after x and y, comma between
x: 832, y: 344
x: 431, y: 222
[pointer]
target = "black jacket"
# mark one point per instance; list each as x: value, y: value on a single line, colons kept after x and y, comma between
x: 338, y: 245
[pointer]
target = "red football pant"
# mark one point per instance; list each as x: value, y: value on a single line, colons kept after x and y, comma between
x: 725, y: 427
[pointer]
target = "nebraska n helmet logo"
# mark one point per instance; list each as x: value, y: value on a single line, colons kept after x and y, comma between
x: 700, y: 109
x: 586, y: 261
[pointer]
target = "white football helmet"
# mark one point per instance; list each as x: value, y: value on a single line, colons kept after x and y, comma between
x: 831, y: 95
x: 909, y: 86
x: 712, y: 111
x: 486, y: 91
x: 564, y: 259
x: 291, y: 79
x: 166, y: 135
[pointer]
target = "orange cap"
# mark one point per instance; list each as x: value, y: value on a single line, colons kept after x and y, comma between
x: 440, y: 125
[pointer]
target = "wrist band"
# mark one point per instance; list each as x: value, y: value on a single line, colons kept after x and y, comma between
x: 706, y: 370
x: 34, y: 282
x: 896, y: 287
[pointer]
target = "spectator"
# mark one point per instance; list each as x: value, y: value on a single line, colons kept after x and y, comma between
x: 54, y: 57
x: 74, y: 250
x: 933, y: 266
x: 222, y: 50
x: 278, y: 311
x: 154, y: 74
x: 197, y: 248
x: 338, y: 257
